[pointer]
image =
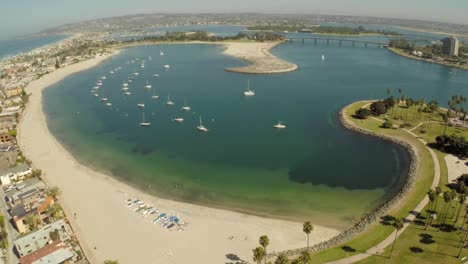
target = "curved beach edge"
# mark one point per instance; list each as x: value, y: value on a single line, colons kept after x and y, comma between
x: 259, y: 56
x: 385, y: 206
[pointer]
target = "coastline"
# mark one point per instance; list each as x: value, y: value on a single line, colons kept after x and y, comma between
x: 400, y: 53
x: 256, y: 54
x: 101, y: 215
x: 370, y: 219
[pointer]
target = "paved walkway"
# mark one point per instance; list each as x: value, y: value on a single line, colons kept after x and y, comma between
x: 379, y: 248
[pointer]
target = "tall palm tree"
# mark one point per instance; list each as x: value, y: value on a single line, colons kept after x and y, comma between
x: 31, y: 221
x: 264, y: 242
x: 258, y: 254
x: 398, y: 224
x: 447, y: 199
x: 54, y: 192
x: 461, y: 202
x: 432, y: 197
x: 54, y: 211
x: 307, y: 228
x: 282, y: 259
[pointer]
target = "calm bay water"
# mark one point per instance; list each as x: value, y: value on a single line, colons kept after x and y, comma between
x: 315, y: 169
x: 13, y: 47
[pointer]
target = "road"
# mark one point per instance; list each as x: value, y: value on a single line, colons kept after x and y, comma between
x: 12, y: 233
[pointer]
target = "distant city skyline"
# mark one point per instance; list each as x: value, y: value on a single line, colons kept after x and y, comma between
x: 29, y: 16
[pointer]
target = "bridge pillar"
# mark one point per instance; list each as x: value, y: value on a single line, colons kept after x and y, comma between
x: 290, y: 40
x: 380, y: 46
x: 315, y: 42
x: 340, y: 42
x: 302, y: 41
x: 365, y: 44
x: 328, y: 42
x: 353, y: 43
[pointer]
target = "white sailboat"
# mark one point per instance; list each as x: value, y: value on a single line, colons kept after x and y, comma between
x: 156, y: 75
x: 200, y: 126
x: 104, y: 99
x: 169, y: 102
x: 109, y: 104
x: 249, y: 92
x: 279, y: 125
x: 323, y: 57
x: 179, y: 119
x: 144, y: 123
x: 161, y: 53
x: 147, y: 85
x: 127, y: 93
x: 185, y: 108
x: 167, y: 66
x: 141, y: 105
x: 155, y: 96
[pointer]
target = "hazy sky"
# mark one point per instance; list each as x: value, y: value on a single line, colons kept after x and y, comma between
x: 18, y: 17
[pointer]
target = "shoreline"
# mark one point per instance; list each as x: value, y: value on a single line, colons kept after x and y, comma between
x: 401, y: 53
x: 97, y: 200
x: 256, y: 54
x: 371, y: 218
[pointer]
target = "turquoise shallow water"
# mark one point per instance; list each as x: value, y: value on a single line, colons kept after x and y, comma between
x: 312, y: 170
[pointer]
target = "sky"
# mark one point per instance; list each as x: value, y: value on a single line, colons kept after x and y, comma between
x: 20, y: 17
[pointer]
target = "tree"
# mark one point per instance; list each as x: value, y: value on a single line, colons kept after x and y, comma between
x: 54, y: 235
x: 305, y: 258
x: 378, y: 108
x: 307, y: 227
x: 432, y: 197
x: 36, y: 173
x: 54, y: 192
x: 387, y: 124
x: 54, y: 211
x: 282, y: 259
x: 31, y: 221
x: 461, y: 202
x: 258, y: 254
x: 264, y: 241
x: 363, y: 113
x: 398, y: 224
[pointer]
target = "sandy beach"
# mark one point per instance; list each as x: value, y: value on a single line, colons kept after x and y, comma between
x: 455, y: 167
x: 258, y: 56
x: 107, y: 229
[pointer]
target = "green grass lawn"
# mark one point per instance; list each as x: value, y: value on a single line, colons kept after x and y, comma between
x: 411, y: 237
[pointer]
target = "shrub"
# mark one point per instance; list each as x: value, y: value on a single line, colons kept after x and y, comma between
x: 387, y: 124
x: 363, y: 113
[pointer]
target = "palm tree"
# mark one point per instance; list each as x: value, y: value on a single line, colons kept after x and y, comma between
x: 31, y: 221
x: 264, y: 241
x: 108, y: 261
x: 305, y: 258
x: 398, y: 224
x: 447, y: 199
x: 54, y: 192
x: 461, y: 202
x: 258, y: 254
x: 307, y: 228
x: 282, y: 259
x: 54, y: 211
x: 432, y: 197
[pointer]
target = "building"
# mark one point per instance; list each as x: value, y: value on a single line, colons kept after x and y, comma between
x: 33, y: 241
x: 20, y: 213
x: 54, y: 253
x: 450, y: 46
x: 8, y: 156
x: 16, y: 173
x: 7, y: 123
x: 5, y: 138
x: 13, y: 91
x: 27, y: 192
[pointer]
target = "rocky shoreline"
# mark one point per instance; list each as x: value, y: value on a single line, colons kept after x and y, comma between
x: 382, y: 209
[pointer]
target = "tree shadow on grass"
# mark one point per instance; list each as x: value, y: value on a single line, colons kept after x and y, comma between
x: 426, y: 239
x: 348, y: 249
x: 416, y: 250
x: 387, y: 220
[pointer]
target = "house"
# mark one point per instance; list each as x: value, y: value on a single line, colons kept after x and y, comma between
x: 7, y: 123
x: 20, y: 213
x: 13, y: 91
x: 33, y: 241
x: 56, y: 252
x: 8, y: 156
x: 5, y: 138
x: 27, y: 192
x: 13, y: 174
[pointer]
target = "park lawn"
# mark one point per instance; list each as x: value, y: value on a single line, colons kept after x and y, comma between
x: 416, y: 245
x: 379, y: 232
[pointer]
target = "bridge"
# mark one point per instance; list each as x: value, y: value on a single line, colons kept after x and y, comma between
x: 339, y: 40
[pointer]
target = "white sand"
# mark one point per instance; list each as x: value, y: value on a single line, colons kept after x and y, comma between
x: 259, y: 56
x: 103, y: 221
x: 455, y: 167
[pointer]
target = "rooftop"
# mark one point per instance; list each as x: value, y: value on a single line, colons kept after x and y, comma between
x: 19, y: 168
x: 53, y: 253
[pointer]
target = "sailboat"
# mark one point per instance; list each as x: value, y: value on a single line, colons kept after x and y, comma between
x: 155, y: 96
x: 156, y: 75
x: 185, y: 108
x: 249, y: 92
x: 279, y: 125
x: 141, y: 105
x: 161, y: 53
x: 169, y: 102
x: 201, y: 128
x: 147, y: 85
x: 144, y: 123
x: 179, y: 119
x: 323, y: 57
x: 167, y: 66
